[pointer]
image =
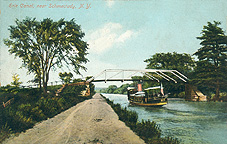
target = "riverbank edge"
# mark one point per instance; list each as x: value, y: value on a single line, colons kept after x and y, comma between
x: 148, y: 130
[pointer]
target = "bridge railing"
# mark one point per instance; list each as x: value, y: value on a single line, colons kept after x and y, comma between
x: 109, y: 74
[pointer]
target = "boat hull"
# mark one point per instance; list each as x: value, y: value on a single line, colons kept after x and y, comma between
x: 149, y: 104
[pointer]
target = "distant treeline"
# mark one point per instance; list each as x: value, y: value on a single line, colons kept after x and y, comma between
x: 115, y: 90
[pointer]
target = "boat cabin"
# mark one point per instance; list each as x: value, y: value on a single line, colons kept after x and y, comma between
x: 153, y: 96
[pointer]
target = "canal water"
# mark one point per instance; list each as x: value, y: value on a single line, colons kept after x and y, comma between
x: 190, y: 122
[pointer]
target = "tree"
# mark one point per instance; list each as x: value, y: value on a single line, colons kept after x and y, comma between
x: 212, y: 65
x: 183, y: 63
x: 34, y: 67
x: 47, y: 44
x: 111, y: 88
x: 66, y: 77
x: 16, y: 81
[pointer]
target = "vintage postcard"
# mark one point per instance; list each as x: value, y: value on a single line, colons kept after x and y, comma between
x: 165, y: 60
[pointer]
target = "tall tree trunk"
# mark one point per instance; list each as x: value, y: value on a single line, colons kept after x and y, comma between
x: 217, y: 91
x: 45, y: 82
x: 45, y: 88
x: 40, y: 84
x: 44, y: 85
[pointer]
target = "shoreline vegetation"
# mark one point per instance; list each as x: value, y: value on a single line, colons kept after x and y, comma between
x: 148, y: 130
x: 31, y: 107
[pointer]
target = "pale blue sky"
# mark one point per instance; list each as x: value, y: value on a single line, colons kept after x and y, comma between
x: 121, y: 34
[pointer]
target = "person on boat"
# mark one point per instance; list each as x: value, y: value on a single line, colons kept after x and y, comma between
x: 159, y: 94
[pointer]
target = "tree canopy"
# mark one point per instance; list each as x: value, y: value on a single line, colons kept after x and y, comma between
x: 47, y: 44
x: 212, y: 65
x: 65, y: 77
x: 183, y: 63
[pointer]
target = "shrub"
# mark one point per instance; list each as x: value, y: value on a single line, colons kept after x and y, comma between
x: 17, y: 121
x: 223, y: 96
x: 5, y: 132
x: 148, y: 130
x: 37, y: 114
x: 181, y: 95
x: 48, y: 106
x: 169, y: 140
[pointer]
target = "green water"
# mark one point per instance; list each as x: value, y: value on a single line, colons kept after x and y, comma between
x: 190, y: 122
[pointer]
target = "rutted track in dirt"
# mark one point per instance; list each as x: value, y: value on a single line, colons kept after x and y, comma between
x: 92, y: 121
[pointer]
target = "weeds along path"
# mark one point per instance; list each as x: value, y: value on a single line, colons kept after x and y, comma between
x: 92, y: 121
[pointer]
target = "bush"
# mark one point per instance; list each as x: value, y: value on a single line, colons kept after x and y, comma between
x: 169, y: 140
x: 223, y: 97
x: 148, y: 130
x: 5, y: 131
x: 181, y: 94
x: 49, y: 106
x: 17, y: 121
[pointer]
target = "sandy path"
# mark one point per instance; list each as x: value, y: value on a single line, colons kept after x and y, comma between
x: 92, y: 121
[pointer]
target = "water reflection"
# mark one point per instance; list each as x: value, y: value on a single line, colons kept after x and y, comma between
x: 191, y: 122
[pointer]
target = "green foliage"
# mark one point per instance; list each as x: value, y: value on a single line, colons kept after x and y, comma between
x: 92, y: 88
x: 111, y: 88
x: 49, y: 106
x: 17, y: 120
x: 66, y: 77
x: 116, y: 90
x: 16, y: 79
x: 35, y: 113
x: 223, y: 96
x: 182, y: 62
x: 8, y: 91
x: 181, y: 95
x: 53, y: 89
x: 168, y: 140
x: 147, y: 130
x: 5, y: 131
x: 77, y: 80
x: 212, y: 65
x: 47, y: 44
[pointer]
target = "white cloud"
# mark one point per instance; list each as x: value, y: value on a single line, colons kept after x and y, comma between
x: 110, y: 3
x: 104, y: 38
x: 125, y: 36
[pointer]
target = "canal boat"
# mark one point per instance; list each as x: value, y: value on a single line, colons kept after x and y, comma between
x: 153, y: 96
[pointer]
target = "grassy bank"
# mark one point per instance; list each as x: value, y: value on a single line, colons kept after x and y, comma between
x: 29, y: 106
x: 148, y: 130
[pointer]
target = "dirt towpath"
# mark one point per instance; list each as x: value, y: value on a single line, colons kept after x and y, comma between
x: 89, y: 122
